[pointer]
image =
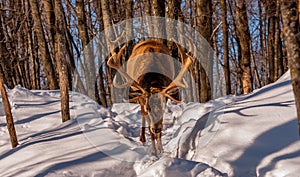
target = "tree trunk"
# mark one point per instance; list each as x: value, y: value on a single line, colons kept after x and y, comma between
x: 204, y: 26
x: 158, y: 10
x: 226, y: 48
x: 147, y: 13
x: 245, y: 42
x: 172, y: 13
x: 271, y: 11
x: 82, y: 27
x: 4, y: 60
x: 278, y: 60
x: 89, y: 64
x: 290, y: 20
x: 32, y: 62
x: 129, y: 27
x: 38, y: 65
x: 46, y: 58
x: 262, y: 37
x: 256, y: 74
x: 113, y: 10
x: 107, y: 23
x: 147, y: 7
x: 219, y: 89
x: 197, y: 79
x: 238, y: 88
x: 101, y: 79
x: 50, y: 18
x: 61, y: 60
x: 9, y: 117
x: 129, y: 15
x: 102, y: 95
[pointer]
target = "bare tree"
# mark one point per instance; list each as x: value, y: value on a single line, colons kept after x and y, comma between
x: 291, y: 35
x: 158, y: 9
x: 172, y: 12
x: 147, y: 7
x: 50, y: 18
x: 9, y: 117
x: 4, y: 59
x: 278, y: 60
x: 29, y: 41
x: 101, y: 79
x: 129, y: 15
x: 262, y: 36
x: 204, y: 26
x: 245, y: 42
x: 225, y: 48
x: 32, y: 49
x: 60, y: 46
x: 89, y: 63
x: 271, y: 11
x: 46, y: 58
x: 107, y: 22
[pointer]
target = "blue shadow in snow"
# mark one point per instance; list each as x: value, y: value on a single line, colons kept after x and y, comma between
x: 269, y: 142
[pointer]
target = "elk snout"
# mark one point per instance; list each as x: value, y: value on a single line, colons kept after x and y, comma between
x: 156, y: 130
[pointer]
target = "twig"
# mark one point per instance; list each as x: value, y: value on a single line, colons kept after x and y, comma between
x: 215, y: 30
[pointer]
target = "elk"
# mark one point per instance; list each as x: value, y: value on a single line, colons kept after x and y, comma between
x: 151, y: 89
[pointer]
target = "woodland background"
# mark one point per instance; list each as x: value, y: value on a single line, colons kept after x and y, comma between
x: 255, y: 41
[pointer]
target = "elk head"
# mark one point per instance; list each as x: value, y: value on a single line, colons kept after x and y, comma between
x: 151, y: 89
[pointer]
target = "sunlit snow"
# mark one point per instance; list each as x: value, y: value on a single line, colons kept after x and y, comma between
x: 250, y: 135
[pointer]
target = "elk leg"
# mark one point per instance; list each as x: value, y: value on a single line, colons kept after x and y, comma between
x: 153, y: 137
x: 159, y: 146
x: 142, y: 136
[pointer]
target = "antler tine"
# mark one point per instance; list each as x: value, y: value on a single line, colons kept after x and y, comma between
x: 114, y: 62
x: 187, y: 35
x: 187, y: 61
x: 113, y: 43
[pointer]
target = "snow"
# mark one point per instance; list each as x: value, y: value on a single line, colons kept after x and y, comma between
x: 249, y: 135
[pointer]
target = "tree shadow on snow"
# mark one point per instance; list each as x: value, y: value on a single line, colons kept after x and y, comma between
x: 239, y: 110
x: 120, y: 169
x: 45, y: 136
x: 269, y: 88
x: 269, y: 142
x: 67, y: 130
x: 37, y: 104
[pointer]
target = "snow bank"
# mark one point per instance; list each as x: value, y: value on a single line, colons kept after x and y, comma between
x: 250, y: 135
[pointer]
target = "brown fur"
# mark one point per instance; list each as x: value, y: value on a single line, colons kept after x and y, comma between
x: 153, y: 83
x: 150, y: 75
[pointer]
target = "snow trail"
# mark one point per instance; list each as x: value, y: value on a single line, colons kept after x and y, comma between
x: 250, y: 135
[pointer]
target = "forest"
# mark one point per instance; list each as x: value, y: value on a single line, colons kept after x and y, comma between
x: 217, y: 84
x: 42, y: 42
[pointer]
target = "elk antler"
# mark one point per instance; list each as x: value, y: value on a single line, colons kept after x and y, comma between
x: 114, y: 62
x: 187, y: 61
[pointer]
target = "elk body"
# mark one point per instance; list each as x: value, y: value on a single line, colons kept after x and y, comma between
x: 151, y: 77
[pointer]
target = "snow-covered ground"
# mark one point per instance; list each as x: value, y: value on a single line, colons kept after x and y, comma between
x: 250, y: 135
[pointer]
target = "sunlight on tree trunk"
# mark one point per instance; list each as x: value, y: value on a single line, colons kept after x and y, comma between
x: 43, y: 47
x: 61, y: 61
x: 291, y: 33
x: 245, y: 42
x: 9, y: 117
x: 204, y: 26
x: 226, y: 66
